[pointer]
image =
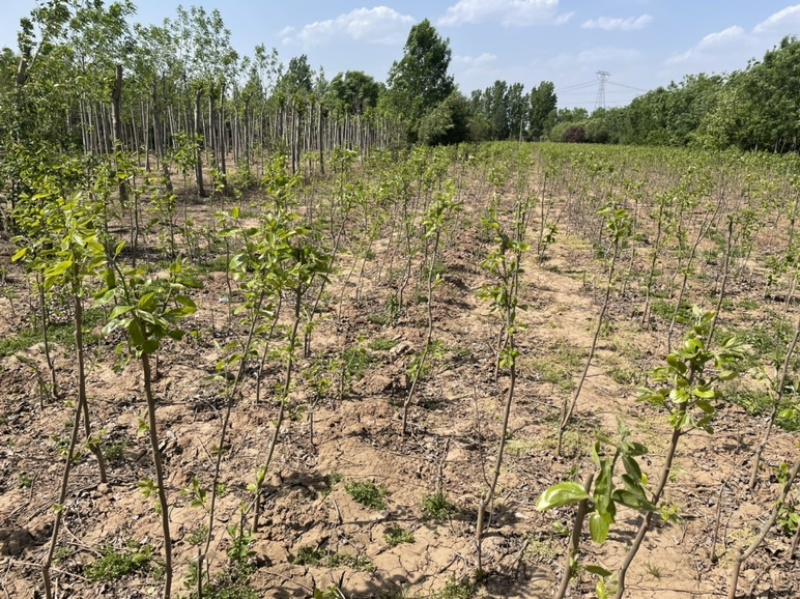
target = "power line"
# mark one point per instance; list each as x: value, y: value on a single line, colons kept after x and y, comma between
x: 577, y: 85
x: 628, y: 86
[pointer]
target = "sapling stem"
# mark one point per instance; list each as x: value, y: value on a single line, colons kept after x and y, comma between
x: 488, y: 497
x: 744, y: 554
x: 231, y: 392
x: 574, y: 540
x: 653, y: 262
x: 568, y: 408
x: 725, y: 272
x: 45, y: 337
x: 708, y: 220
x: 60, y: 506
x: 776, y: 402
x: 94, y: 446
x: 428, y: 338
x: 282, y: 410
x: 162, y: 495
x: 648, y: 517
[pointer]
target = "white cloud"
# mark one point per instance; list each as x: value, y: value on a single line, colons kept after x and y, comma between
x: 786, y: 20
x: 475, y: 61
x: 723, y: 38
x: 379, y: 25
x: 509, y: 13
x: 619, y: 24
x: 725, y: 43
x: 731, y: 48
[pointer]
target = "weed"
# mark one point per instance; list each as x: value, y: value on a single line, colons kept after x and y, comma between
x: 116, y: 451
x: 519, y: 447
x: 310, y: 556
x: 62, y: 554
x: 396, y: 535
x: 25, y: 480
x: 624, y: 374
x: 115, y: 564
x: 382, y: 344
x: 355, y: 362
x: 542, y: 551
x: 438, y: 507
x: 366, y: 493
x: 788, y: 520
x: 456, y: 589
x: 665, y: 309
x: 758, y: 403
x: 654, y: 571
x: 58, y: 333
x: 198, y: 536
x: 556, y: 366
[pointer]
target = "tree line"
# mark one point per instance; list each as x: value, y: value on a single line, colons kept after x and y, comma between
x: 757, y: 108
x: 85, y: 78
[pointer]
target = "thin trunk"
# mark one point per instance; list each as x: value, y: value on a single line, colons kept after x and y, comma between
x: 83, y: 400
x: 162, y: 495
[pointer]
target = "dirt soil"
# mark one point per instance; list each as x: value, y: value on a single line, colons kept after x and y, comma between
x: 327, y: 443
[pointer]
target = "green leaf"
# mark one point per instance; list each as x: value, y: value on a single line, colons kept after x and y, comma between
x: 634, y: 499
x: 599, y: 571
x: 562, y: 494
x: 676, y: 363
x: 19, y: 255
x: 599, y: 526
x: 703, y: 392
x: 147, y: 302
x: 136, y: 333
x: 632, y: 468
x: 119, y: 311
x: 150, y: 346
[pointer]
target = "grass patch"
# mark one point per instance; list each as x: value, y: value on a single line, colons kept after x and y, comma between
x: 310, y: 556
x: 759, y: 403
x: 665, y: 309
x: 366, y: 493
x: 355, y: 361
x: 382, y: 344
x: 115, y: 564
x: 556, y: 366
x: 57, y: 333
x: 438, y: 507
x: 456, y: 589
x: 396, y: 535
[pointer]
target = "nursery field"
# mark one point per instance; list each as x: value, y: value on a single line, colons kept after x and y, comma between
x: 496, y: 370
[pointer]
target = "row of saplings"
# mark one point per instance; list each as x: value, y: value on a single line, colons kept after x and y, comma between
x: 66, y: 247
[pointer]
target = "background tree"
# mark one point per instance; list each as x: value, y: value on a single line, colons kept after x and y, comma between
x: 542, y: 114
x: 420, y: 81
x: 354, y: 91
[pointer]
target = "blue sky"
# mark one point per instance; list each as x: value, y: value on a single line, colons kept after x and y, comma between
x: 642, y: 43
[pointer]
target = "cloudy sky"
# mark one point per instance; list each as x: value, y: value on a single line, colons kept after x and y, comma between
x: 641, y: 43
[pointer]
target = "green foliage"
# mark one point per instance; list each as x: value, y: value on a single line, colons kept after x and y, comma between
x: 607, y: 493
x: 366, y: 493
x: 396, y: 535
x: 456, y: 589
x: 114, y: 564
x: 438, y: 507
x: 59, y: 333
x: 148, y: 309
x: 382, y: 344
x: 690, y: 379
x: 310, y: 556
x: 760, y: 403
